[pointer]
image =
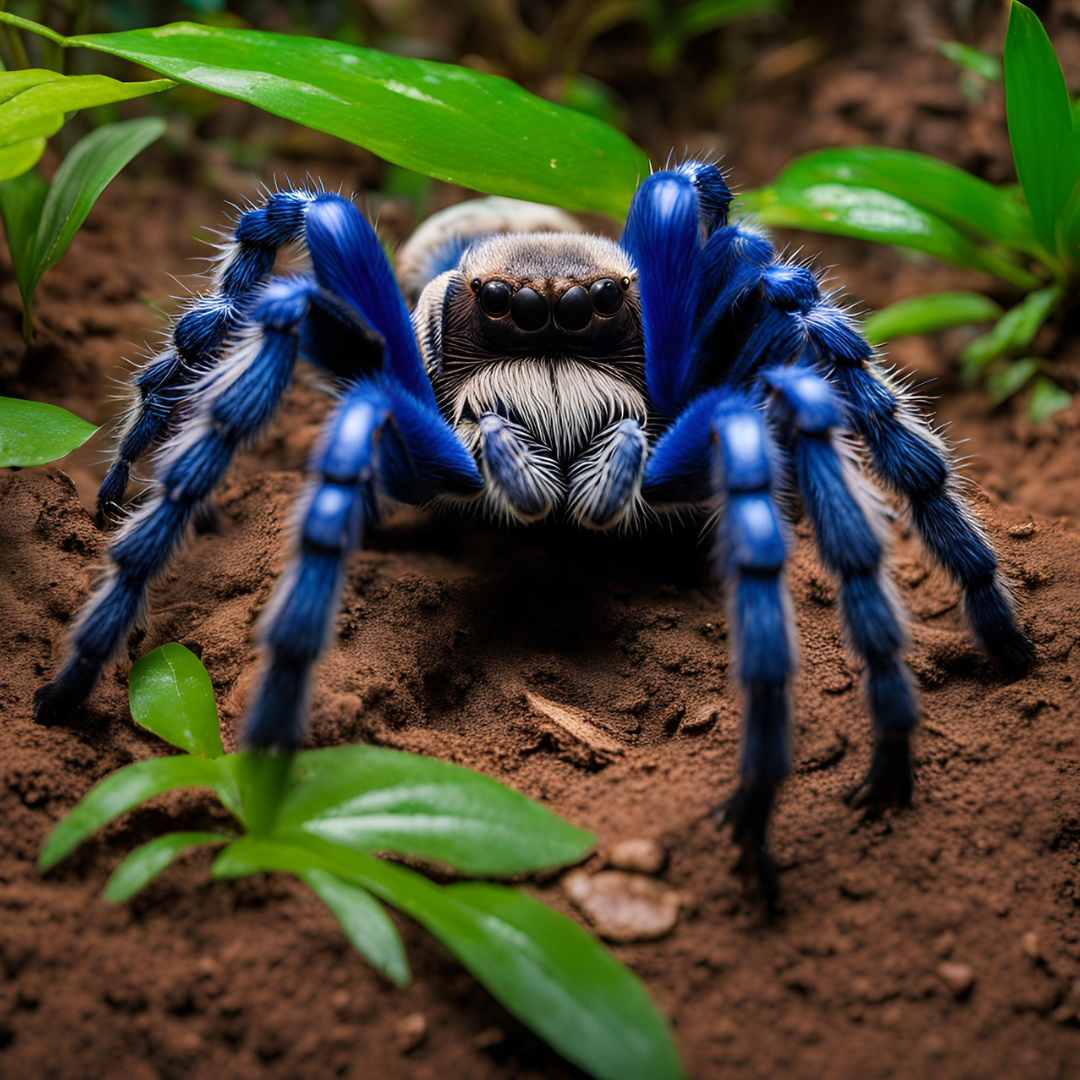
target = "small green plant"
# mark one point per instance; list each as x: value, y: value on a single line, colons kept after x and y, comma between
x: 34, y: 433
x: 321, y: 815
x: 1029, y: 237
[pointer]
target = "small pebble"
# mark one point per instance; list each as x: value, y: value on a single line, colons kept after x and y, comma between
x: 642, y: 854
x: 410, y: 1032
x: 489, y: 1038
x: 623, y: 906
x: 959, y: 978
x: 1029, y: 942
x: 1023, y: 530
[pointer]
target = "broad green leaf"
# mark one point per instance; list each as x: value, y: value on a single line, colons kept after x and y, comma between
x: 452, y: 123
x: 366, y: 924
x: 33, y: 433
x: 942, y: 190
x: 372, y: 799
x: 39, y: 110
x: 989, y: 67
x: 1047, y: 398
x: 1014, y: 331
x: 123, y: 791
x: 871, y: 214
x: 146, y: 862
x: 19, y: 157
x: 546, y: 970
x: 171, y: 695
x: 15, y: 82
x: 81, y: 178
x: 1011, y: 379
x: 1045, y: 149
x: 928, y: 315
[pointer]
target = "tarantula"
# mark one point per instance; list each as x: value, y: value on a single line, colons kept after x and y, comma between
x: 544, y: 372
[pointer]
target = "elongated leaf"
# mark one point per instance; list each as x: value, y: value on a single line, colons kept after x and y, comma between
x: 455, y: 124
x: 1068, y: 232
x: 1045, y: 149
x: 1014, y: 331
x: 121, y: 792
x: 171, y: 695
x: 39, y: 110
x: 372, y: 799
x: 929, y: 314
x: 33, y: 433
x: 81, y: 178
x: 983, y: 64
x: 1011, y: 379
x: 21, y: 201
x: 871, y: 214
x: 146, y: 862
x: 1047, y: 398
x: 15, y: 82
x: 546, y: 970
x: 19, y: 157
x: 942, y: 190
x: 366, y: 924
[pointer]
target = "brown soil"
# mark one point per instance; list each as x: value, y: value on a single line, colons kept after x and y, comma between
x: 942, y: 941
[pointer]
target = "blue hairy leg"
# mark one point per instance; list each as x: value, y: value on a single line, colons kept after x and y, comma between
x: 246, y: 261
x: 750, y: 554
x: 379, y: 440
x: 229, y: 405
x: 850, y: 540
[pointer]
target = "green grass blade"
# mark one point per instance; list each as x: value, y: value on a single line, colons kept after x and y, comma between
x: 871, y: 214
x: 449, y: 122
x: 964, y: 201
x: 1013, y: 332
x: 981, y: 63
x: 1045, y: 150
x: 546, y: 970
x: 171, y: 695
x: 1047, y: 398
x: 81, y: 178
x: 123, y: 791
x: 365, y: 923
x: 929, y: 314
x: 1011, y: 379
x: 19, y: 157
x: 39, y: 110
x: 146, y: 862
x: 372, y: 799
x: 33, y: 433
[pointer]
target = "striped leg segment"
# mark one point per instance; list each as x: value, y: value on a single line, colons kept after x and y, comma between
x: 230, y: 405
x: 751, y: 552
x: 851, y: 542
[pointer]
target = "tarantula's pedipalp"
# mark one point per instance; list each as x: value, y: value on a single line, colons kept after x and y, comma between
x: 686, y: 370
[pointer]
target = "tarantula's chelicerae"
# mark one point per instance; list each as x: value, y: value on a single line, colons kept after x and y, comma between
x: 548, y: 372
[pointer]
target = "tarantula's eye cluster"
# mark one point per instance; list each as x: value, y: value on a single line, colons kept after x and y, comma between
x: 530, y: 311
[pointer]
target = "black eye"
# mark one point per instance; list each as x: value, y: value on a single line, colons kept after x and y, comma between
x: 606, y: 297
x: 495, y: 299
x: 573, y: 311
x: 529, y: 310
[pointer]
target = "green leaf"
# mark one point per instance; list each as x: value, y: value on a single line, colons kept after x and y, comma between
x: 171, y: 695
x: 981, y: 63
x: 702, y: 16
x: 1013, y: 332
x: 1047, y: 398
x: 1011, y: 379
x: 366, y: 924
x: 546, y: 970
x: 20, y: 157
x: 964, y: 201
x: 38, y: 111
x: 372, y: 799
x: 1068, y: 233
x: 146, y: 862
x: 928, y: 314
x: 1045, y: 149
x: 82, y: 177
x: 452, y: 123
x: 262, y: 778
x: 33, y: 433
x: 21, y: 202
x: 123, y: 791
x: 871, y: 214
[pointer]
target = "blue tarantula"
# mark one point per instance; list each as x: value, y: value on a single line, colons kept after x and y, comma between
x: 546, y: 372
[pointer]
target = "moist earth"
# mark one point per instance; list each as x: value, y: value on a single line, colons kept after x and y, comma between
x: 590, y: 673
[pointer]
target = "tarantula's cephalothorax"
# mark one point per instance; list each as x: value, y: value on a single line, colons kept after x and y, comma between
x: 544, y: 371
